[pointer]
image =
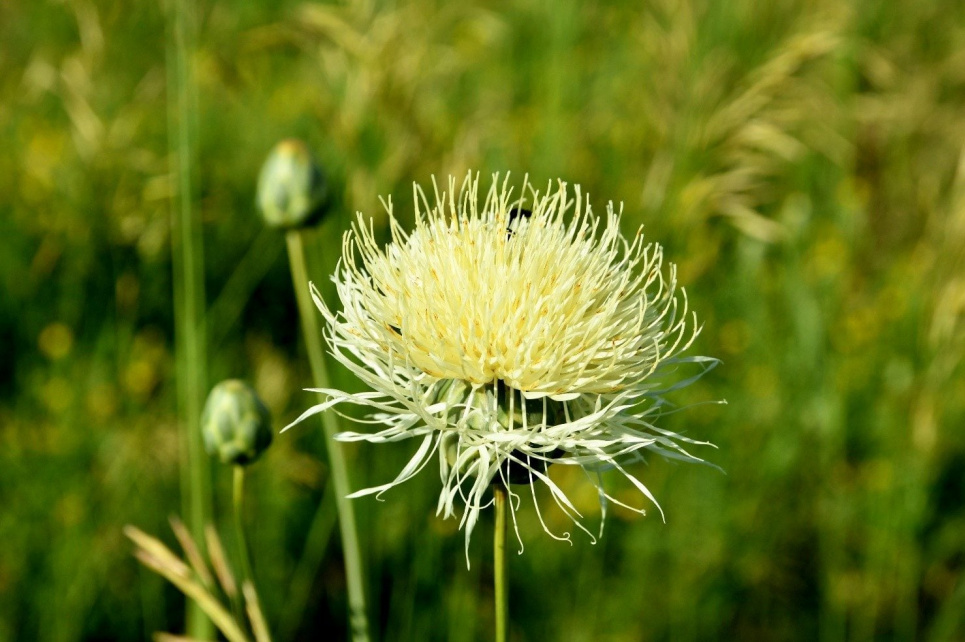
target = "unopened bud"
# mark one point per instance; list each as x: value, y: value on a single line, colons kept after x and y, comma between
x: 291, y: 186
x: 235, y: 425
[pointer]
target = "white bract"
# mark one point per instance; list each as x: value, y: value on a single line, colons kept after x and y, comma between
x: 508, y: 339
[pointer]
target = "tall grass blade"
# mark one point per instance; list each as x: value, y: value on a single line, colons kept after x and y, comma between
x: 188, y: 264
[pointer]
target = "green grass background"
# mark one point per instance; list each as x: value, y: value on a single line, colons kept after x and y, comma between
x: 802, y: 161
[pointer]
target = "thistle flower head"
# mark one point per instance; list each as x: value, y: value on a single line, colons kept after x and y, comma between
x: 507, y: 333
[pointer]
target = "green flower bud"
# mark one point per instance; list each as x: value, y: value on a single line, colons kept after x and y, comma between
x: 291, y: 186
x: 235, y: 425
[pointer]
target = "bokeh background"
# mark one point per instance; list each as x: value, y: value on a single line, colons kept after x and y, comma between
x: 803, y: 162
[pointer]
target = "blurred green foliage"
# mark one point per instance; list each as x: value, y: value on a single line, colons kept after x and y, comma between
x: 804, y: 163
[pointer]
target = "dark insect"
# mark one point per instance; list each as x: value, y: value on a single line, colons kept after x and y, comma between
x: 514, y: 214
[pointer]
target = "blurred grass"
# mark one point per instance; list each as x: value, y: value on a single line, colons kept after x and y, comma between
x: 804, y: 162
x: 187, y: 258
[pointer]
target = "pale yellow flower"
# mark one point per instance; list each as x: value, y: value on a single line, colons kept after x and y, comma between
x: 508, y: 339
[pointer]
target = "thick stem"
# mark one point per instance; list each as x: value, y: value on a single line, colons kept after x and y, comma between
x: 499, y: 563
x: 358, y: 619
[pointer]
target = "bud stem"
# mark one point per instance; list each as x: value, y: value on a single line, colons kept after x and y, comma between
x: 499, y: 563
x: 238, y: 496
x: 358, y: 618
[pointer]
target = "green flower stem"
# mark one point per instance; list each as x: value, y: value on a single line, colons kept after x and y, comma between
x: 358, y: 619
x: 238, y: 500
x: 499, y: 563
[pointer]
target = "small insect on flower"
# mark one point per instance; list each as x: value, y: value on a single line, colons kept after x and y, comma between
x: 507, y: 338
